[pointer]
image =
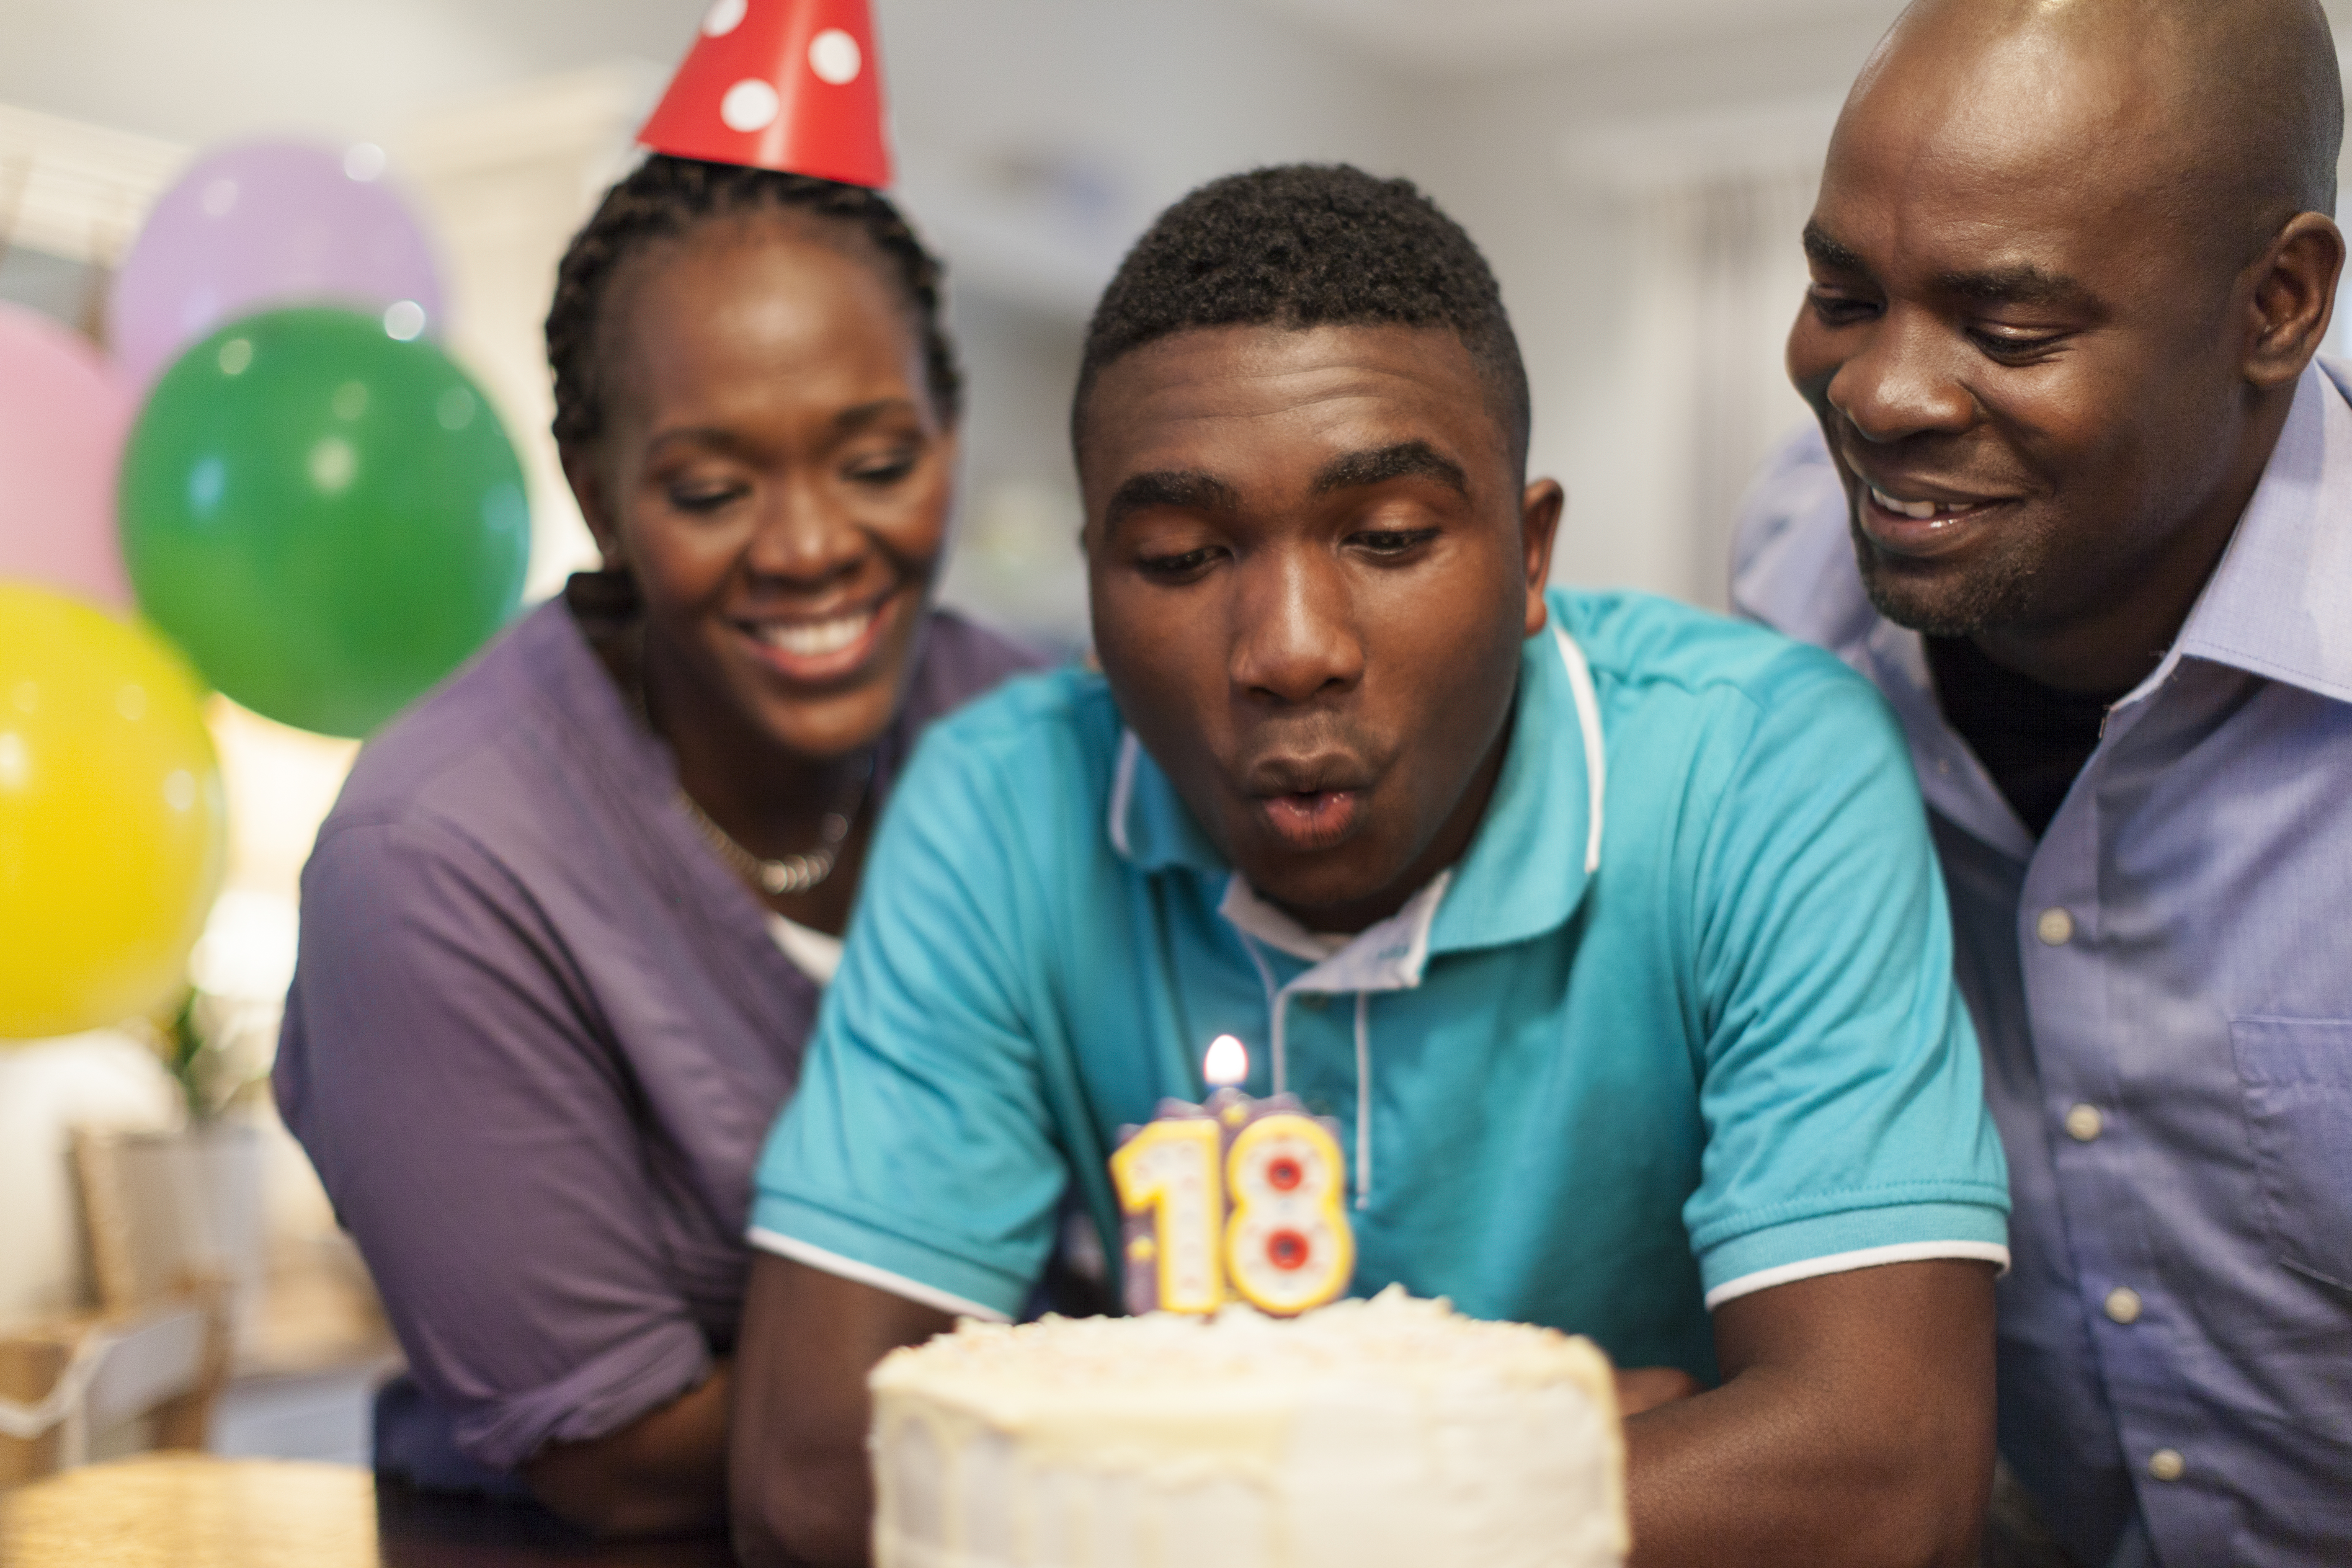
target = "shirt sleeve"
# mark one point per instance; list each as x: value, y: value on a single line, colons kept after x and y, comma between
x: 450, y: 1081
x: 1839, y: 1086
x: 918, y: 1153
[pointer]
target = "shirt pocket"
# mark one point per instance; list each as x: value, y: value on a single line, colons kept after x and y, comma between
x: 2296, y: 1074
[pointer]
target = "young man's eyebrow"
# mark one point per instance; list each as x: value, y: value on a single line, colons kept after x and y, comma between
x: 1180, y: 490
x: 1377, y: 465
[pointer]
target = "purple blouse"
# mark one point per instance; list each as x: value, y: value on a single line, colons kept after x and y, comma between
x: 539, y: 1030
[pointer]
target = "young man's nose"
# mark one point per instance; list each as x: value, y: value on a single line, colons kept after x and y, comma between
x: 1293, y: 629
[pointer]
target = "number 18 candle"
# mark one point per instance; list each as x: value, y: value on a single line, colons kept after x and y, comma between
x: 1237, y: 1196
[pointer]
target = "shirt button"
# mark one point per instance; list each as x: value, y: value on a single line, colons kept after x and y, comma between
x: 2123, y: 1304
x: 2055, y: 928
x: 1313, y: 1001
x: 2167, y: 1465
x: 2084, y: 1124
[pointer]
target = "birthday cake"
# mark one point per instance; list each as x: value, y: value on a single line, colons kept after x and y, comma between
x: 1364, y: 1433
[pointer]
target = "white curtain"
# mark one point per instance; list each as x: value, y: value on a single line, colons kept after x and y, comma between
x: 1721, y: 275
x: 1707, y: 211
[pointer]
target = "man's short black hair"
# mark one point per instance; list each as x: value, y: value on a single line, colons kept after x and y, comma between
x: 1308, y: 244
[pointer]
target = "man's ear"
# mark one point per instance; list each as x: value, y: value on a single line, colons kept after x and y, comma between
x: 2294, y: 299
x: 589, y: 490
x: 1540, y: 514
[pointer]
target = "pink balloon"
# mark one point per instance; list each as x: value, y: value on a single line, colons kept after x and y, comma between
x: 64, y: 414
x: 264, y: 224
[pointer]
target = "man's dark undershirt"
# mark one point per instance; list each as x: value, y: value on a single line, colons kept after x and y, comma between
x: 2033, y: 738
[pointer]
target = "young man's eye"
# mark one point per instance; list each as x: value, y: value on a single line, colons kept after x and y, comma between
x: 1392, y: 542
x: 1177, y: 568
x: 2010, y: 343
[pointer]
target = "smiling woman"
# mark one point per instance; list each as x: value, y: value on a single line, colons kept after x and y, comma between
x: 566, y: 930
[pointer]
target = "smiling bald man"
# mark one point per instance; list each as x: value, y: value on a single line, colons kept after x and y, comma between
x: 2081, y: 505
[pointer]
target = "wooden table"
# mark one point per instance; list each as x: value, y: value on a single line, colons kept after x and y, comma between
x: 191, y: 1511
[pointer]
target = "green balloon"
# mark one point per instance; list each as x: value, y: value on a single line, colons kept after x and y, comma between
x: 327, y: 520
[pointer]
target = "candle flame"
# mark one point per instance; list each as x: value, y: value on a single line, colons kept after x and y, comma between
x: 1227, y: 1063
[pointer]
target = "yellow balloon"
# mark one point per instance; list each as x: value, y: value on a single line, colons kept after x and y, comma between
x: 112, y: 818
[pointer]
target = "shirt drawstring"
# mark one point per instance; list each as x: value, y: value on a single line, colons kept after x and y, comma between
x: 1363, y: 1098
x: 1274, y: 1008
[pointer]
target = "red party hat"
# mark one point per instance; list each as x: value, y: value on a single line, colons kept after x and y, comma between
x: 789, y: 85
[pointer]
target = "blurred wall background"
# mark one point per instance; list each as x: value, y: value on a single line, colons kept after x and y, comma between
x: 1637, y: 170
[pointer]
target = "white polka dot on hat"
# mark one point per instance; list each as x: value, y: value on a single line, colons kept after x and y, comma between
x: 749, y: 105
x: 835, y: 57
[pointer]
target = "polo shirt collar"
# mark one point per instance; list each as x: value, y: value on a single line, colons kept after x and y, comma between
x: 1149, y: 826
x: 1388, y: 955
x: 1522, y: 875
x: 1526, y: 870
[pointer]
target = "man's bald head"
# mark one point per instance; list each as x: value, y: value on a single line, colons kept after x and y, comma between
x: 2233, y: 109
x: 2071, y: 260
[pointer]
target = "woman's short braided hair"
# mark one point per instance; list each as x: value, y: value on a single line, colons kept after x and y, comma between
x: 664, y: 197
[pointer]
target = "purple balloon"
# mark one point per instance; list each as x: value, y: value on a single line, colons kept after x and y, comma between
x: 264, y: 224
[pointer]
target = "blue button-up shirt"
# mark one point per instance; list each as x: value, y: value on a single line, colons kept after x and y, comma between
x: 2163, y: 986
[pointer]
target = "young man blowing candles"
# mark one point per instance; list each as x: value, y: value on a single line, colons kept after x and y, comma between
x: 1608, y: 933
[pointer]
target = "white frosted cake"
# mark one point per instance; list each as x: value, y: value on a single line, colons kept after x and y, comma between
x: 1363, y: 1435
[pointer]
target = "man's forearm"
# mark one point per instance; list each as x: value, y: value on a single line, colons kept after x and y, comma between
x: 1873, y: 1452
x: 662, y: 1474
x: 1757, y: 1472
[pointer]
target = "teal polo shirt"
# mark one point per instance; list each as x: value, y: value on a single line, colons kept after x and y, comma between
x: 1679, y: 1025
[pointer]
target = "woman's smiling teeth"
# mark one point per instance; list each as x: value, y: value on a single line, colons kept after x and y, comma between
x: 1922, y: 510
x: 816, y: 639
